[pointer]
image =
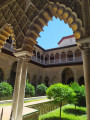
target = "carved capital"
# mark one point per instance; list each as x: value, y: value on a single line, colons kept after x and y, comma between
x: 23, y: 55
x: 84, y: 45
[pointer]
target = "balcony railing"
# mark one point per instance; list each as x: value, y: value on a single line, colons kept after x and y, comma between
x: 57, y: 61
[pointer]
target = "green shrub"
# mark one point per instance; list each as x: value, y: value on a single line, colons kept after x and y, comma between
x: 41, y: 89
x: 68, y: 113
x: 5, y: 89
x: 80, y: 93
x: 29, y: 90
x: 60, y: 93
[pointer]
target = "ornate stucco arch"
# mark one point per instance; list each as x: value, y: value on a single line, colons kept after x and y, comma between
x: 45, y: 15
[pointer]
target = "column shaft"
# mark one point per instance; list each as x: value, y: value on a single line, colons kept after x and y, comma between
x: 16, y: 88
x: 86, y: 64
x: 22, y: 91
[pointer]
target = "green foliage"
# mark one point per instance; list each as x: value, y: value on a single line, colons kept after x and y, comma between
x: 5, y: 89
x: 41, y: 89
x: 68, y: 113
x: 80, y: 93
x: 60, y: 92
x: 29, y: 90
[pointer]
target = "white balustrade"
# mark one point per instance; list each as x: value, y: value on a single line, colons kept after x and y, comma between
x: 56, y: 61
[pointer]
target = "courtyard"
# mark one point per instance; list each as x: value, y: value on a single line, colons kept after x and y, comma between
x: 34, y: 68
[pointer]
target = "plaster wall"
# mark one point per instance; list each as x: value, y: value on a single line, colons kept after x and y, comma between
x: 67, y: 41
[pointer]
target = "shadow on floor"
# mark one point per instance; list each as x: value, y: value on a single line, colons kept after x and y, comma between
x: 55, y: 118
x: 73, y: 111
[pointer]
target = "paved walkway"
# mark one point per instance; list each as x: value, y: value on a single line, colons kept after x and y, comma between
x: 25, y: 99
x: 26, y: 110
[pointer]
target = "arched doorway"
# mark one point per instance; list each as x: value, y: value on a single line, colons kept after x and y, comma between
x: 1, y: 75
x: 46, y: 80
x: 81, y: 81
x: 67, y: 76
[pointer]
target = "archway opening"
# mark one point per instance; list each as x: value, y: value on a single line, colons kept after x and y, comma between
x: 69, y: 56
x: 57, y: 57
x: 67, y: 76
x: 34, y: 53
x: 46, y: 81
x: 46, y: 59
x: 38, y: 56
x: 51, y: 58
x: 81, y: 81
x: 52, y: 33
x: 63, y: 57
x: 78, y: 55
x: 70, y: 80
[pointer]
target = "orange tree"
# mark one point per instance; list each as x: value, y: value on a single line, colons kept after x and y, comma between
x: 60, y: 93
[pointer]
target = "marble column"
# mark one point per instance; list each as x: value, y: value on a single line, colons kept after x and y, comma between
x: 84, y: 45
x: 19, y: 90
x: 22, y: 91
x: 86, y: 65
x: 17, y: 87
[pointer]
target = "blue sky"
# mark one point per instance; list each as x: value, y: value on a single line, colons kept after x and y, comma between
x: 52, y: 33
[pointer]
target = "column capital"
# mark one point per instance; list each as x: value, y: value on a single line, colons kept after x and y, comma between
x: 23, y: 55
x: 84, y: 45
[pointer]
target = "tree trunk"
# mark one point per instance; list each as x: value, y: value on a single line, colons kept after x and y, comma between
x: 60, y: 109
x: 75, y: 109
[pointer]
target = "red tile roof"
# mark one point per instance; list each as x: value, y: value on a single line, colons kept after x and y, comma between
x: 65, y: 38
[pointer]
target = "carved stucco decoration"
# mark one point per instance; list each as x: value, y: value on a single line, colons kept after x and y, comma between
x: 45, y: 15
x: 5, y: 33
x: 28, y: 17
